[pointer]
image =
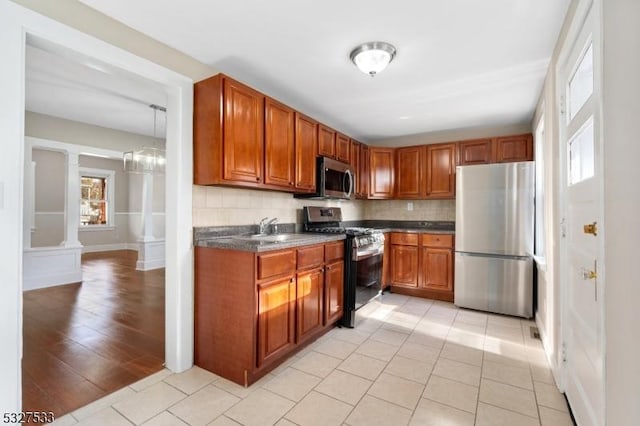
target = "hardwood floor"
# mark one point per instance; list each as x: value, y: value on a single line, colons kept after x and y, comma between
x: 83, y: 341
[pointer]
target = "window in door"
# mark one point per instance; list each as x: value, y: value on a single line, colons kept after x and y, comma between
x: 581, y: 156
x: 581, y: 83
x: 96, y: 198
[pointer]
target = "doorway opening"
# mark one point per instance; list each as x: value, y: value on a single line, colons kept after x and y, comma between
x: 94, y: 235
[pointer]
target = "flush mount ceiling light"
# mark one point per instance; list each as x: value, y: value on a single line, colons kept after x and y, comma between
x: 373, y: 57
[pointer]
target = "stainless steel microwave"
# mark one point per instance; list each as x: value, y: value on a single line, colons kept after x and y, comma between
x: 334, y: 179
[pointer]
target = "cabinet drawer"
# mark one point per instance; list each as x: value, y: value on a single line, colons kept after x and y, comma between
x: 437, y: 240
x: 334, y: 251
x: 308, y: 257
x: 278, y: 263
x: 405, y: 239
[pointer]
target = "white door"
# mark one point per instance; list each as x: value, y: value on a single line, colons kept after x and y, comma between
x: 581, y: 146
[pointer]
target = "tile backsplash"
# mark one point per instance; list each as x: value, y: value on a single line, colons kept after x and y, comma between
x: 224, y: 206
x: 422, y: 210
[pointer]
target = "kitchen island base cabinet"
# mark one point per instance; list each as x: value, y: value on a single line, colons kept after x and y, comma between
x: 253, y: 310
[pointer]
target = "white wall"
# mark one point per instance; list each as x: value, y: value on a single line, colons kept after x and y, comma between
x: 549, y: 306
x: 622, y: 209
x: 61, y: 130
x: 453, y: 135
x: 50, y: 184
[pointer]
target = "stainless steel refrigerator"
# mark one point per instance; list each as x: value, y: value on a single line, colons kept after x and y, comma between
x: 494, y: 238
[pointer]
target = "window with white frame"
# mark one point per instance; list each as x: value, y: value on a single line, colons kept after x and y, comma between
x: 540, y: 200
x: 96, y: 197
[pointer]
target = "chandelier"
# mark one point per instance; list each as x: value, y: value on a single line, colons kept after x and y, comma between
x: 147, y: 159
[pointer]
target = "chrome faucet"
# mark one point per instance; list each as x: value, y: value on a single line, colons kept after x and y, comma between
x: 274, y: 225
x: 264, y: 224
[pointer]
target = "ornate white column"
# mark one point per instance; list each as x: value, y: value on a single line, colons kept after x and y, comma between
x: 72, y: 201
x: 150, y: 248
x: 29, y: 189
x: 147, y: 208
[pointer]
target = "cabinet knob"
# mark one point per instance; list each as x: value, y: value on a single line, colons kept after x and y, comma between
x: 258, y: 179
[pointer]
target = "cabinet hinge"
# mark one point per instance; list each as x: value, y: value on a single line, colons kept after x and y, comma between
x: 564, y: 352
x: 562, y: 105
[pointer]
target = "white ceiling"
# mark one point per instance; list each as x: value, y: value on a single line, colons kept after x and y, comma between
x: 65, y: 84
x: 460, y: 63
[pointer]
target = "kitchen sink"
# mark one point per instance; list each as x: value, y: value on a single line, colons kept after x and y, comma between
x: 274, y: 238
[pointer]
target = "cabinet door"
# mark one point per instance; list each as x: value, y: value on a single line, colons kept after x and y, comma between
x: 343, y: 148
x: 478, y: 151
x: 306, y: 148
x: 441, y: 170
x: 279, y: 144
x: 354, y: 158
x: 386, y: 260
x: 410, y: 181
x: 310, y: 286
x: 243, y: 132
x: 514, y: 148
x: 326, y: 141
x: 276, y: 318
x: 437, y: 269
x: 404, y: 265
x: 363, y: 172
x: 334, y: 292
x: 381, y: 172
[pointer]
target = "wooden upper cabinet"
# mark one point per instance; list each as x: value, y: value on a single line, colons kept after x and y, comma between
x: 441, y: 169
x: 410, y: 172
x: 363, y: 172
x: 306, y: 147
x: 514, y: 148
x: 343, y: 148
x: 228, y: 132
x: 479, y: 151
x: 279, y: 147
x: 381, y: 172
x: 354, y: 161
x: 326, y: 141
x: 243, y: 132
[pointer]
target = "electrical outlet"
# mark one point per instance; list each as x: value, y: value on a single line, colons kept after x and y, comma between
x: 410, y: 206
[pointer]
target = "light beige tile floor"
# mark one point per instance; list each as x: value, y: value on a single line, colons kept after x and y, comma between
x: 408, y: 361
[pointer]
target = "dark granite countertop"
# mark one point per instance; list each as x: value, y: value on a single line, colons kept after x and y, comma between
x: 413, y: 226
x: 239, y: 238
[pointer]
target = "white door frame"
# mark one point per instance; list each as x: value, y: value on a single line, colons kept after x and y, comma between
x: 582, y: 11
x: 16, y: 22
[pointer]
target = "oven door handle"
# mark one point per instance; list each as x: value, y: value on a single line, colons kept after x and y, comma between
x: 365, y: 254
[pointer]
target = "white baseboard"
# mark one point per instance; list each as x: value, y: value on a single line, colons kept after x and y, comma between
x: 553, y: 365
x: 150, y: 255
x: 51, y: 266
x: 106, y: 247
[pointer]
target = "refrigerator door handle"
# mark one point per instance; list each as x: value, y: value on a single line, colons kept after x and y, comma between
x: 495, y: 256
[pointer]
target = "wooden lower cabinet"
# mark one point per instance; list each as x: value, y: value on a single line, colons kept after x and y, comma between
x: 334, y: 292
x: 437, y: 268
x: 425, y: 267
x: 310, y: 294
x: 253, y: 310
x: 404, y: 266
x: 276, y: 318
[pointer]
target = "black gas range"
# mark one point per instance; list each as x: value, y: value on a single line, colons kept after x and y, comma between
x: 364, y: 248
